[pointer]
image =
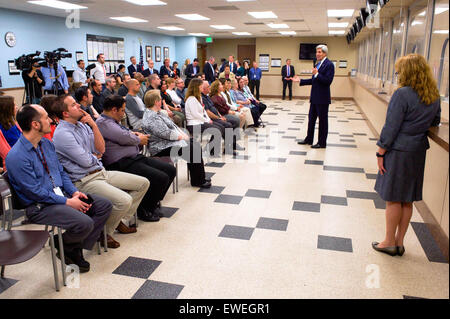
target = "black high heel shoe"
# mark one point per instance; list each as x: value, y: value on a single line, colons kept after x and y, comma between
x: 392, y: 251
x: 400, y: 250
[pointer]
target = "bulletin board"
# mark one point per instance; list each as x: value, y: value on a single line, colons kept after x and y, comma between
x: 113, y: 49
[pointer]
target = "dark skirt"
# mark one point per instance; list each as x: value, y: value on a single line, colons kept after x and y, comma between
x: 403, y: 179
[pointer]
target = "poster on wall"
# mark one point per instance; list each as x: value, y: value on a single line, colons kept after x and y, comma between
x: 148, y: 52
x: 264, y: 60
x: 276, y: 63
x: 166, y: 53
x: 157, y: 54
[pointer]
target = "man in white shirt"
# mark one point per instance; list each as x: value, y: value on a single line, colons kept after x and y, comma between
x: 99, y: 72
x: 79, y: 75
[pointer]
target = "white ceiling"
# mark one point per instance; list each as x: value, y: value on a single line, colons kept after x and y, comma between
x: 313, y: 12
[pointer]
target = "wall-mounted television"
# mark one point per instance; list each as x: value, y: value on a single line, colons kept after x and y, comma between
x: 308, y: 51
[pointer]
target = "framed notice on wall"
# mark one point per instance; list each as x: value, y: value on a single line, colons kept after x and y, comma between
x: 112, y: 48
x: 276, y: 63
x: 264, y: 60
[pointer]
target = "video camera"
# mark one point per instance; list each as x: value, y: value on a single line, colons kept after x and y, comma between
x: 55, y: 56
x: 25, y: 62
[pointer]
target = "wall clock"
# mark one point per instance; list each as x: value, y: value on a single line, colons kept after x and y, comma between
x: 10, y: 39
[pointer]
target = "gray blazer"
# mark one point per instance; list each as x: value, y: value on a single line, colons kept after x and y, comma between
x: 408, y: 121
x: 163, y: 132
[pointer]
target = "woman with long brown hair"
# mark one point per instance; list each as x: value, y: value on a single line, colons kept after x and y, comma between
x: 8, y: 124
x: 414, y: 107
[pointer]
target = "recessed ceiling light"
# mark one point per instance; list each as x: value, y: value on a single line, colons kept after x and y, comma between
x: 340, y: 13
x: 241, y: 33
x: 57, y: 4
x: 336, y: 32
x: 199, y: 34
x: 147, y: 2
x: 422, y: 13
x: 416, y: 23
x: 441, y: 31
x: 222, y: 27
x: 263, y: 15
x: 278, y: 25
x: 338, y: 24
x: 192, y: 17
x: 288, y: 32
x: 129, y: 19
x: 440, y: 10
x: 171, y: 28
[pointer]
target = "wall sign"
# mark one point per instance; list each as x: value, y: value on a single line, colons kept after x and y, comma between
x: 264, y: 60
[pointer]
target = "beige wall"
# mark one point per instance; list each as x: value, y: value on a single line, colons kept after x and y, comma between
x: 223, y: 48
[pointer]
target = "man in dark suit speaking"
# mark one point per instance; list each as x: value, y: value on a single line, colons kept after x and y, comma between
x: 287, y: 75
x: 323, y: 74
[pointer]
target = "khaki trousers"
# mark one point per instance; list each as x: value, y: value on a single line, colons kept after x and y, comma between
x: 124, y: 190
x: 248, y: 116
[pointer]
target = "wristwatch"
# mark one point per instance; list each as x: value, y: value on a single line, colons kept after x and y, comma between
x: 379, y: 155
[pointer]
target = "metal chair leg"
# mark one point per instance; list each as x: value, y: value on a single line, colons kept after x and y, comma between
x: 188, y: 174
x: 63, y: 258
x: 176, y: 176
x: 55, y: 269
x: 2, y: 273
x: 105, y: 238
x: 99, y: 250
x: 136, y: 219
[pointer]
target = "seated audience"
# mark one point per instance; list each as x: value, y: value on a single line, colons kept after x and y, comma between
x: 181, y: 92
x: 261, y: 106
x: 166, y: 139
x: 150, y: 70
x: 98, y: 99
x: 142, y: 85
x: 166, y: 70
x: 8, y: 124
x: 178, y: 116
x: 235, y: 118
x: 4, y: 149
x: 154, y: 83
x: 46, y: 190
x: 227, y: 74
x: 80, y: 147
x: 47, y: 103
x: 122, y: 154
x: 85, y: 98
x: 176, y: 70
x: 120, y: 74
x: 248, y: 119
x: 239, y: 97
x: 123, y: 90
x: 135, y: 107
x: 110, y: 87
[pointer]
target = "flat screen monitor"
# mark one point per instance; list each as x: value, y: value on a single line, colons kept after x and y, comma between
x: 308, y: 51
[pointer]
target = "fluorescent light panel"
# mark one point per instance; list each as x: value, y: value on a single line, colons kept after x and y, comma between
x: 192, y: 17
x: 171, y: 28
x: 57, y: 4
x: 263, y: 15
x: 199, y: 34
x: 336, y: 32
x: 441, y: 31
x: 278, y: 25
x: 222, y: 27
x: 129, y: 19
x: 147, y: 2
x: 338, y: 24
x: 440, y: 10
x: 340, y: 13
x: 241, y: 33
x: 288, y: 32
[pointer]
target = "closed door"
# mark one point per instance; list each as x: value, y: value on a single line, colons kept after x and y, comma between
x: 201, y: 54
x: 246, y: 52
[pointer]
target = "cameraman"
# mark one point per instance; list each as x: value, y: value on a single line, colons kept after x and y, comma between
x: 34, y: 81
x: 55, y: 83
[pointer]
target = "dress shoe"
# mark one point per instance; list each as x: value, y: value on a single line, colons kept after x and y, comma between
x: 303, y: 142
x: 147, y: 216
x: 124, y: 229
x: 317, y: 146
x: 110, y: 242
x: 206, y: 184
x: 158, y: 212
x: 400, y: 250
x: 392, y: 251
x: 80, y: 261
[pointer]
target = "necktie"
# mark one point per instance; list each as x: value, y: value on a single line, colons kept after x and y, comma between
x: 318, y: 65
x: 151, y: 71
x: 104, y: 70
x: 231, y: 67
x: 288, y: 69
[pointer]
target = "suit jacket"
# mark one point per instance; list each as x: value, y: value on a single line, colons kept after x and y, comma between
x: 132, y: 69
x: 284, y: 72
x: 163, y: 71
x: 190, y: 70
x: 320, y: 91
x: 235, y: 68
x: 146, y: 72
x: 210, y: 73
x: 232, y: 76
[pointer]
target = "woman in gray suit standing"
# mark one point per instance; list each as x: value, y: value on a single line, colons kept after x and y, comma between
x: 413, y: 109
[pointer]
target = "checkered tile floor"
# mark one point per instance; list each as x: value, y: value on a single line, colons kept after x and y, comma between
x: 281, y: 221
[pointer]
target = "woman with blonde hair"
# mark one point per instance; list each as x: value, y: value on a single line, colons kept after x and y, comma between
x: 413, y: 108
x: 183, y: 69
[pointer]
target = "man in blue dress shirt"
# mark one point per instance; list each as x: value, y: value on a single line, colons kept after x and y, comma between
x: 255, y: 75
x: 51, y: 199
x: 55, y: 83
x: 323, y: 74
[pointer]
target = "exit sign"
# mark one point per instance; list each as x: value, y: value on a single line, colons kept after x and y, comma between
x: 209, y: 40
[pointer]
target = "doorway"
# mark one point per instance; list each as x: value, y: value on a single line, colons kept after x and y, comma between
x: 246, y: 52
